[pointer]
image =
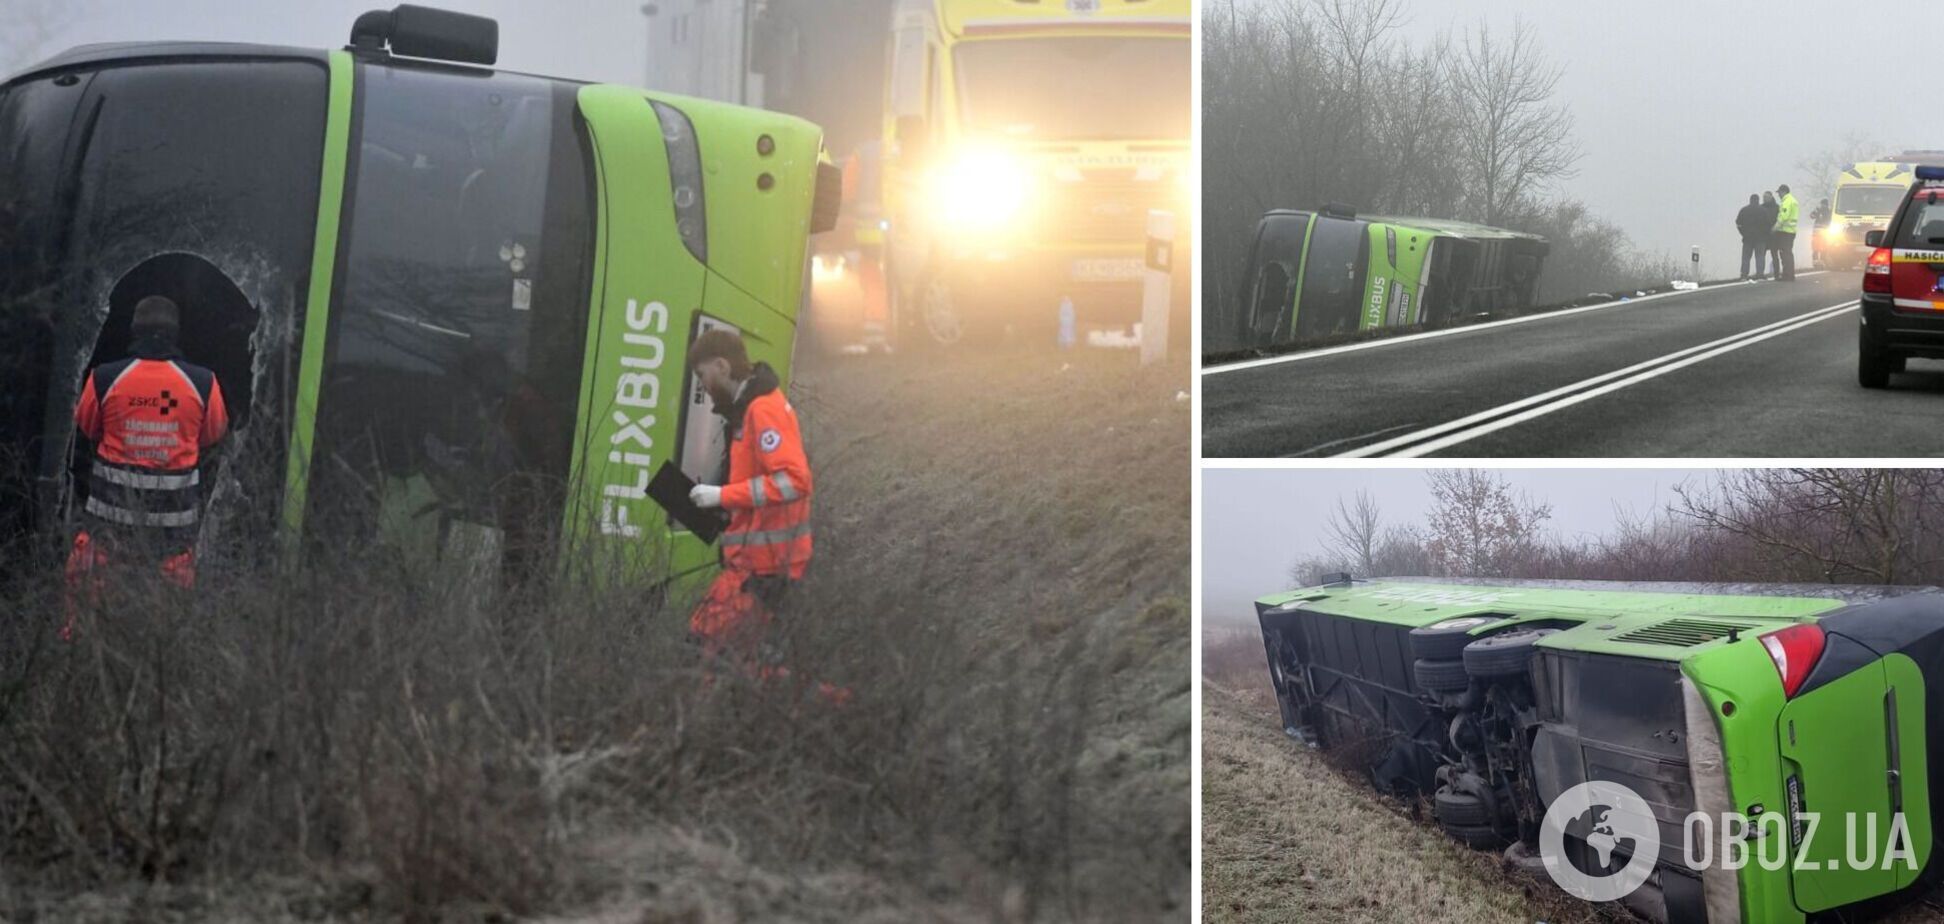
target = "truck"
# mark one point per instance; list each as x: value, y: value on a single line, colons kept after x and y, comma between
x: 1313, y: 274
x: 1024, y: 144
x: 449, y: 304
x: 1493, y: 698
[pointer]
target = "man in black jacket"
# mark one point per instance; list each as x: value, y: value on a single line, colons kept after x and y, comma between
x: 1754, y: 228
x: 1770, y: 209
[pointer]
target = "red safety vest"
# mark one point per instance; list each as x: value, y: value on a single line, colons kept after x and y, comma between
x: 150, y: 419
x: 768, y: 490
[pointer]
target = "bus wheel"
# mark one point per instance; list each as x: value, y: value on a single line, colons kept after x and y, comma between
x: 941, y: 317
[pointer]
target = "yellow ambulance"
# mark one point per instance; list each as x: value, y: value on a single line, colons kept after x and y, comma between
x: 1025, y: 142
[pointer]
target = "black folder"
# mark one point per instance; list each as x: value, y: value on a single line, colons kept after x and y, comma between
x: 670, y: 488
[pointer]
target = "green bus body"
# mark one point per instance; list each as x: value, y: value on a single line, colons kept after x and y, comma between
x: 456, y: 326
x: 1645, y: 687
x: 1320, y: 274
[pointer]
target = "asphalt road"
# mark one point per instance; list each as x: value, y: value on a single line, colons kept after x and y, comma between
x: 1760, y: 370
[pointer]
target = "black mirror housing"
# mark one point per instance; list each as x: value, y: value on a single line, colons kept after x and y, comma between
x: 424, y: 32
x: 1873, y: 239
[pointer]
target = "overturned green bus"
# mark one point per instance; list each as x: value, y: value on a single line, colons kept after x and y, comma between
x: 1316, y: 274
x: 1781, y: 706
x: 449, y: 304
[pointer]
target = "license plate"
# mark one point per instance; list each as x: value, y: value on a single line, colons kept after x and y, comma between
x: 1108, y: 269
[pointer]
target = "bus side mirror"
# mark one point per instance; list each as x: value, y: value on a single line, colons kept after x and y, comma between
x: 1873, y: 239
x: 913, y: 138
x: 424, y: 32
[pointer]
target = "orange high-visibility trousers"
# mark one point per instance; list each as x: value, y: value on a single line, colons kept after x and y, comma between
x: 86, y: 575
x: 732, y: 624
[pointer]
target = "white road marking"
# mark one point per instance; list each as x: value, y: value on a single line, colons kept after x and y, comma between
x: 1463, y: 329
x: 1476, y: 425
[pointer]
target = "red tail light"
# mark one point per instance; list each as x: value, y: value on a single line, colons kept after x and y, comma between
x: 1795, y: 651
x: 1876, y: 272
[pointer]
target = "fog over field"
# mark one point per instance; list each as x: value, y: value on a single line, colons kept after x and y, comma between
x: 1683, y: 109
x: 1258, y: 523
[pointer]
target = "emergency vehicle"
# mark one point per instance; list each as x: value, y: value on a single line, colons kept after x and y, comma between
x: 1903, y: 285
x: 450, y: 304
x: 1866, y: 196
x: 1318, y: 273
x: 1765, y: 702
x: 1024, y: 144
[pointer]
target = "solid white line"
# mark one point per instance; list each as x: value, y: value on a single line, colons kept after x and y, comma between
x: 1657, y: 372
x: 1564, y: 390
x: 1463, y: 329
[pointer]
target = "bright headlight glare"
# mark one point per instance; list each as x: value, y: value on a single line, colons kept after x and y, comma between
x: 982, y: 189
x: 826, y: 269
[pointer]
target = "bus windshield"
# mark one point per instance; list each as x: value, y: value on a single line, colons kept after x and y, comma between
x: 1868, y: 200
x: 1075, y: 88
x: 457, y: 339
x: 1334, y: 276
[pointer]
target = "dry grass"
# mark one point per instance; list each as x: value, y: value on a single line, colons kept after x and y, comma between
x: 1001, y: 576
x: 1289, y: 836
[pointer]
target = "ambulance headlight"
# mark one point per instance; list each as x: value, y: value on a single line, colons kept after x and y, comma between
x: 982, y: 190
x: 826, y: 269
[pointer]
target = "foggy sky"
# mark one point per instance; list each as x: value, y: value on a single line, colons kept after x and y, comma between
x: 600, y: 40
x: 1256, y: 523
x: 1684, y: 108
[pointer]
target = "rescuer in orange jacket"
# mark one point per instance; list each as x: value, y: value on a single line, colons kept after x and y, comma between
x: 767, y: 543
x: 150, y: 417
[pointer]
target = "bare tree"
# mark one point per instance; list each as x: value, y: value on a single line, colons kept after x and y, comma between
x: 1515, y: 140
x: 1836, y: 525
x: 1354, y: 530
x: 1822, y: 167
x: 1480, y: 527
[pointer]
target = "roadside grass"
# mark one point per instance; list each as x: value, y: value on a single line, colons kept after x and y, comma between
x: 1289, y: 834
x: 1001, y: 577
x: 1294, y: 834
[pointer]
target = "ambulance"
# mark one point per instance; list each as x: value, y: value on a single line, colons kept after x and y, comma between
x: 1025, y: 143
x: 1866, y: 195
x: 449, y: 304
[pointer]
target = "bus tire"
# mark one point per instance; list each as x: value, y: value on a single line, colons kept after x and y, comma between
x: 1504, y: 655
x: 1442, y: 642
x: 1459, y: 809
x: 1441, y: 676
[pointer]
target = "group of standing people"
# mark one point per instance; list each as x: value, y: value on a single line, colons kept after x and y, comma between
x: 1768, y: 229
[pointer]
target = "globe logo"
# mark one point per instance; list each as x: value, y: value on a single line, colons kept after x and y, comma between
x: 1618, y: 827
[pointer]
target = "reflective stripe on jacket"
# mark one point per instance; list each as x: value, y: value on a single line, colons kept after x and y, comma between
x: 1787, y: 214
x: 150, y: 417
x: 768, y: 489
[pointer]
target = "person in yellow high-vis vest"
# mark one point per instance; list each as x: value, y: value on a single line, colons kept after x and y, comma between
x: 1787, y: 214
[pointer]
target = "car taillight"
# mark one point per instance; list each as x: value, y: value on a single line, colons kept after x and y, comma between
x: 1876, y: 272
x: 1794, y: 651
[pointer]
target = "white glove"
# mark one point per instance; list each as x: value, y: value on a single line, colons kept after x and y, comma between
x: 705, y: 495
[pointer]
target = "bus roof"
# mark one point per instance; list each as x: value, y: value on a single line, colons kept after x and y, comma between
x: 990, y: 17
x: 1450, y: 228
x: 124, y: 52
